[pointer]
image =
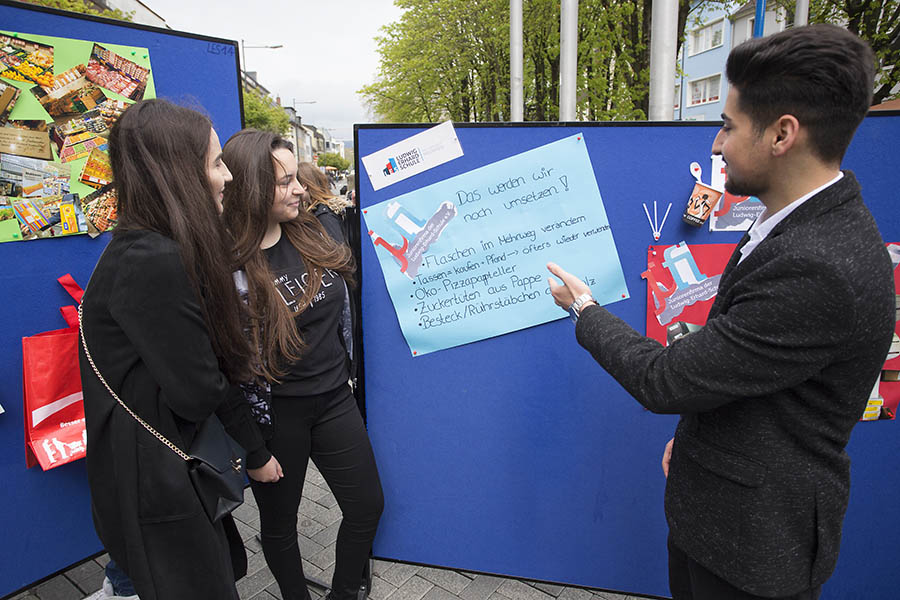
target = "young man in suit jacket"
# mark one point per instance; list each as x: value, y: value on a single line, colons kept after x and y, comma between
x: 770, y: 388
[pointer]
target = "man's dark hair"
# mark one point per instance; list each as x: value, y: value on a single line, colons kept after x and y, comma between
x: 821, y: 74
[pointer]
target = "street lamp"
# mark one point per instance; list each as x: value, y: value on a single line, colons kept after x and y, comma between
x: 244, y: 53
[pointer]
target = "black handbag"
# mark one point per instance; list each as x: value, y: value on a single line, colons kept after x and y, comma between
x: 215, y: 461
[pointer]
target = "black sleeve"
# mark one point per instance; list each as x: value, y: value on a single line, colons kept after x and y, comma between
x: 782, y: 324
x: 239, y: 423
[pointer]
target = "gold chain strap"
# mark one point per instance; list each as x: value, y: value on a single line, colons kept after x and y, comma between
x: 155, y: 433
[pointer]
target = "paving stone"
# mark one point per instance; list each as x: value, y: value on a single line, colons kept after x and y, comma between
x: 327, y: 500
x: 438, y: 593
x: 275, y: 591
x: 254, y: 524
x: 58, y: 588
x: 92, y: 582
x: 380, y: 566
x: 399, y: 573
x: 609, y: 596
x: 308, y: 547
x: 102, y: 560
x: 252, y: 545
x: 312, y: 571
x: 251, y: 585
x: 248, y: 497
x: 414, y: 589
x: 324, y: 558
x: 328, y: 535
x: 330, y: 517
x: 83, y: 571
x: 482, y: 587
x: 574, y: 593
x: 312, y: 510
x: 517, y: 590
x: 553, y: 590
x: 245, y: 513
x: 26, y: 595
x: 381, y: 589
x: 246, y: 532
x: 313, y: 476
x: 255, y: 562
x: 314, y: 492
x: 309, y: 527
x: 263, y: 595
x: 327, y: 575
x: 449, y: 580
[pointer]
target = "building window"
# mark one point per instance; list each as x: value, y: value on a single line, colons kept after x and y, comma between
x: 708, y: 37
x: 677, y: 96
x: 706, y: 90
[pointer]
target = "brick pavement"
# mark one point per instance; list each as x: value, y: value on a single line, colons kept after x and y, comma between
x: 319, y: 517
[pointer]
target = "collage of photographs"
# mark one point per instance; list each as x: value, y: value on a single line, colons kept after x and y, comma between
x: 59, y: 97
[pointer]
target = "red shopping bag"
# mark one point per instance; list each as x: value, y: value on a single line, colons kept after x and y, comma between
x: 54, y: 411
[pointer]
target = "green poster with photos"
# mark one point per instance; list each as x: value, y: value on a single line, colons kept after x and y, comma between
x: 58, y: 99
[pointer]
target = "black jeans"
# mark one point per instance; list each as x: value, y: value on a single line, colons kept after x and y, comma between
x: 329, y: 429
x: 689, y: 580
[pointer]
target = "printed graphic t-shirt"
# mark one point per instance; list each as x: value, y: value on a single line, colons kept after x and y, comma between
x: 323, y: 363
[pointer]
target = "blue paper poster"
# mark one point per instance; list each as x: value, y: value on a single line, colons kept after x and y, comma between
x: 465, y: 259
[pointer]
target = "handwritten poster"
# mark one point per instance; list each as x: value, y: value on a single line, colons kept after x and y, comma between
x: 465, y: 259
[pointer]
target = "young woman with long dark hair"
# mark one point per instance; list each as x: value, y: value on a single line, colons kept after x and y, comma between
x: 297, y: 277
x: 164, y: 326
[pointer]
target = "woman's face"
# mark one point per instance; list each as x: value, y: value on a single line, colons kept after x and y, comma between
x: 216, y: 170
x: 286, y: 205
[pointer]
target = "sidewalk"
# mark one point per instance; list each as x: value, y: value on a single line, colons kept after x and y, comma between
x: 319, y: 517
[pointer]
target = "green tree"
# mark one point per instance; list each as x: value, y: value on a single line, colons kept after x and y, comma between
x: 333, y: 159
x: 84, y: 7
x: 450, y: 59
x: 876, y: 21
x: 261, y: 112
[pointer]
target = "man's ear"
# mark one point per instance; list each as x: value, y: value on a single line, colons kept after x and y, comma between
x: 785, y: 134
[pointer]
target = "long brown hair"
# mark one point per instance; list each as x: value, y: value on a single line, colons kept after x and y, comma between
x: 319, y: 189
x: 158, y: 152
x: 248, y: 200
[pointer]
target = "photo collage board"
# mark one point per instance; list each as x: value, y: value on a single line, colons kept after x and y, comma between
x: 59, y: 97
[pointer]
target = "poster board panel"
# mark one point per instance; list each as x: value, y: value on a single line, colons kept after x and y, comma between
x: 518, y: 455
x: 48, y: 523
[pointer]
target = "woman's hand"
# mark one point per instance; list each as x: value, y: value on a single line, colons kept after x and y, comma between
x: 268, y: 473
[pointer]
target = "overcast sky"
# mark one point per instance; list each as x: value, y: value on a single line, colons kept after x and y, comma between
x: 329, y: 48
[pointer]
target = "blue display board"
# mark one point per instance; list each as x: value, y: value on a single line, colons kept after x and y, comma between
x: 519, y: 455
x: 46, y: 515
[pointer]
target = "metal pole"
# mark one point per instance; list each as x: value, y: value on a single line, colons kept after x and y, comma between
x: 801, y: 15
x: 568, y: 59
x: 516, y: 94
x: 759, y: 26
x: 663, y: 42
x: 243, y: 58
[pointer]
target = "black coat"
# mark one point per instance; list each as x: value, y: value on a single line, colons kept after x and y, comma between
x: 769, y: 391
x: 146, y: 333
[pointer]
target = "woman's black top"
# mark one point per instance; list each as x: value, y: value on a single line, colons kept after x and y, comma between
x: 323, y: 363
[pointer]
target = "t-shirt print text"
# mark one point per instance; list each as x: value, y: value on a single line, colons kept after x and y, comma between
x: 290, y: 288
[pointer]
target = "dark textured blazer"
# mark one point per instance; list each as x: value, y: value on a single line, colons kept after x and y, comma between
x: 146, y: 334
x: 768, y: 392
